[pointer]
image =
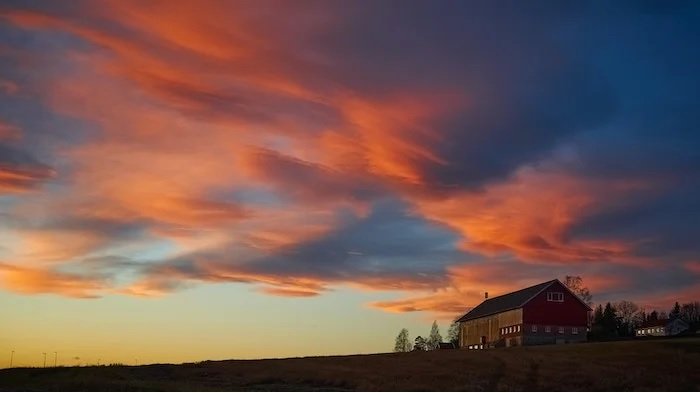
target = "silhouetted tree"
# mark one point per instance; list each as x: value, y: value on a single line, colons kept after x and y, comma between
x: 420, y: 344
x: 575, y: 284
x: 403, y: 344
x: 653, y: 316
x: 675, y: 311
x: 690, y: 313
x: 609, y: 321
x: 663, y: 315
x: 435, y: 338
x: 627, y: 315
x: 598, y: 315
x: 453, y: 333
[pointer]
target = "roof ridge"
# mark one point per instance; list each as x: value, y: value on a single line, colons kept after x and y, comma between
x: 521, y: 289
x: 507, y: 301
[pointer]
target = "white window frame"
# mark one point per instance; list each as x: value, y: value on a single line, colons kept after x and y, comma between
x: 547, y: 329
x: 561, y: 330
x: 534, y: 328
x: 555, y: 297
x: 574, y: 330
x: 517, y: 329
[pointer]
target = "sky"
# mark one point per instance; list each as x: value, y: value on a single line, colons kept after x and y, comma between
x: 186, y: 180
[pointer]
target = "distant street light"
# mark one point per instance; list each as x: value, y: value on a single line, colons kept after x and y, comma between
x: 55, y: 359
x: 12, y: 356
x: 44, y: 358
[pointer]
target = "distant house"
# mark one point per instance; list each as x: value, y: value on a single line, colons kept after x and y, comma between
x: 546, y: 313
x: 662, y: 327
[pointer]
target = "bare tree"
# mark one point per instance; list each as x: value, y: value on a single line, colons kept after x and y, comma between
x: 435, y: 338
x: 403, y: 344
x: 628, y: 314
x: 690, y: 312
x: 575, y: 284
x: 627, y: 311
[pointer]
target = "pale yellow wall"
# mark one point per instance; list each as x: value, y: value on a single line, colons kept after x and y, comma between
x: 489, y: 326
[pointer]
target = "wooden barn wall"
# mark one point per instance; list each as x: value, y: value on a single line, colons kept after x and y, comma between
x: 489, y: 326
x: 570, y: 312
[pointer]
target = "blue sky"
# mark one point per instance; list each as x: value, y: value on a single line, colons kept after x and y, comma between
x: 377, y: 165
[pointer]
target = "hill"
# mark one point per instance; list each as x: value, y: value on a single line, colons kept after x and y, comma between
x: 667, y: 364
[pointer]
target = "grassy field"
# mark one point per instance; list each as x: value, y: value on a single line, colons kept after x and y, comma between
x: 631, y: 365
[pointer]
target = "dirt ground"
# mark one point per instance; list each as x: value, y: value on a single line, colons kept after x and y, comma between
x: 669, y: 364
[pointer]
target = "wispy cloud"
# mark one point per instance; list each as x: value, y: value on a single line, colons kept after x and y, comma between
x: 438, y: 150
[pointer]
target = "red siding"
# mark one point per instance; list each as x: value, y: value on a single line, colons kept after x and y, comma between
x: 570, y: 312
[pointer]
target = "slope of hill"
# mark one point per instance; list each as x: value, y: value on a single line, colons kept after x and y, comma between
x: 669, y: 364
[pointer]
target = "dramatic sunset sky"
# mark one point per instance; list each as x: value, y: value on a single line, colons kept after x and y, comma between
x: 188, y: 180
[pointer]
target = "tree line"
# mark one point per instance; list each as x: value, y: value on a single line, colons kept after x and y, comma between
x: 623, y: 318
x: 404, y: 344
x: 615, y: 319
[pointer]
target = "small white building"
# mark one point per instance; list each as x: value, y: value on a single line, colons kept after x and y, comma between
x: 662, y: 327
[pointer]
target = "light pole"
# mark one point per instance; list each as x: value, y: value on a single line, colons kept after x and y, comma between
x: 44, y: 358
x: 12, y: 357
x: 55, y: 359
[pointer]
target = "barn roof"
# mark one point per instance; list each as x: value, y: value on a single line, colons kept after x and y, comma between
x: 505, y: 302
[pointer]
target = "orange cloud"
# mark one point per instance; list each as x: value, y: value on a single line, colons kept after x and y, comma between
x: 188, y: 104
x: 57, y: 245
x: 530, y: 215
x: 22, y: 177
x: 288, y: 292
x: 38, y: 281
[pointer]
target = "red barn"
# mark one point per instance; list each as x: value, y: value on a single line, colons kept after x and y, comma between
x: 546, y: 313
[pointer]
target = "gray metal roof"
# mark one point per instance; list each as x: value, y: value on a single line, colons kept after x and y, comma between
x: 505, y: 302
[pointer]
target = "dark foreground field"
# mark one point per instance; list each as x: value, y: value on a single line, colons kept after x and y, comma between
x: 650, y: 365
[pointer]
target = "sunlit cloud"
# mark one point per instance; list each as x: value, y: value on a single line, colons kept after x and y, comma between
x: 288, y: 148
x: 38, y: 280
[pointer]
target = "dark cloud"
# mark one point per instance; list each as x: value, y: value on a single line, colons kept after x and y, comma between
x: 310, y: 181
x: 388, y: 249
x: 389, y: 241
x: 600, y: 95
x: 19, y: 171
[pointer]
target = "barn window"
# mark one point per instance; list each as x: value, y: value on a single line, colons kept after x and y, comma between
x: 561, y: 329
x: 574, y: 330
x: 547, y: 329
x: 555, y: 296
x: 517, y: 328
x: 534, y: 328
x: 510, y: 329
